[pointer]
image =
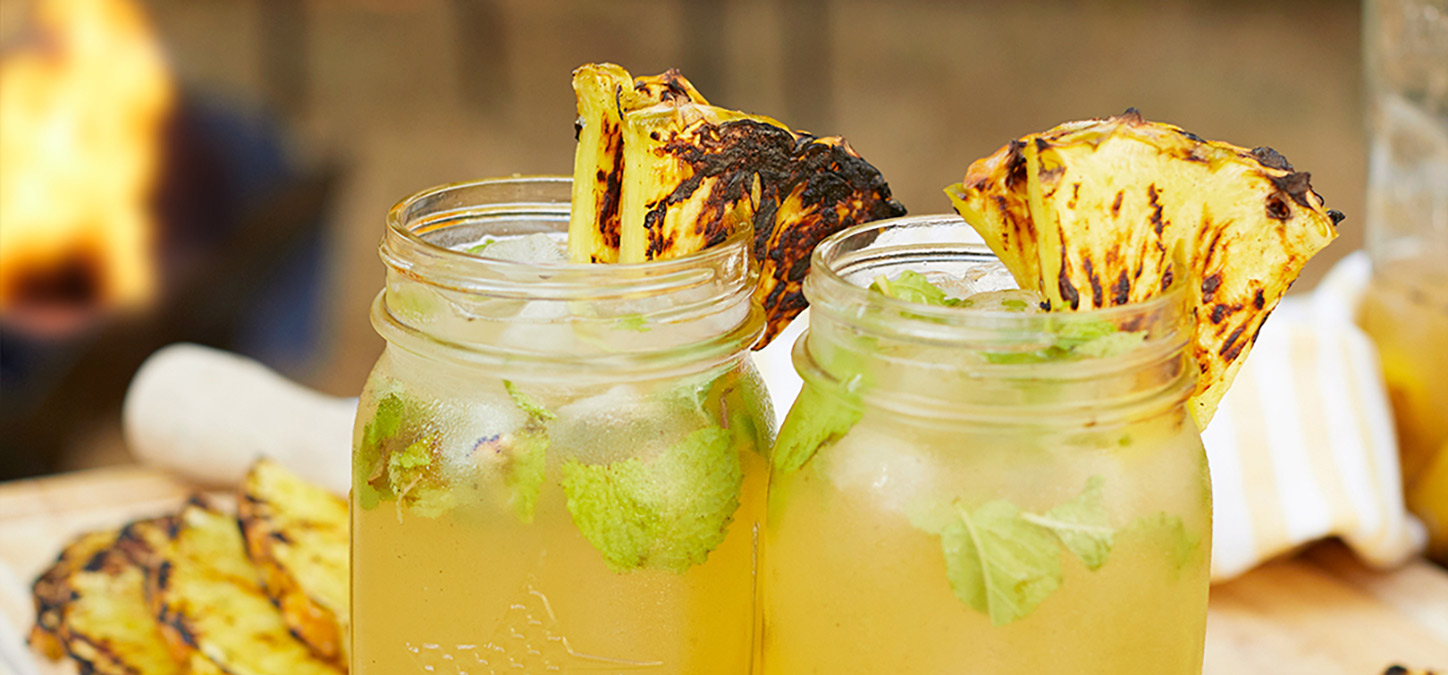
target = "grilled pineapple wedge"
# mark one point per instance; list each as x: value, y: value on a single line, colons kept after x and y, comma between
x: 605, y: 93
x: 659, y: 174
x: 51, y: 591
x: 694, y: 174
x: 296, y: 533
x: 211, y: 606
x: 97, y: 611
x: 1110, y: 204
x: 674, y: 200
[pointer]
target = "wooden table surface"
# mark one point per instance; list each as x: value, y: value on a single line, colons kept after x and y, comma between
x: 1320, y: 613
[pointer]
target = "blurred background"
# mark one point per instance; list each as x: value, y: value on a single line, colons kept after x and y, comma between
x: 218, y: 172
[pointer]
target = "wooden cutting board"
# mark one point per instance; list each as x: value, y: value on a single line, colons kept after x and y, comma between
x: 1320, y: 613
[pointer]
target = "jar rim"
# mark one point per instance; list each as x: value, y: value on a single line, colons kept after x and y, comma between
x: 404, y: 249
x: 572, y: 317
x: 827, y: 257
x: 911, y: 347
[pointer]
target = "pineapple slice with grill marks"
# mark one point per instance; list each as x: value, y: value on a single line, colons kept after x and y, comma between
x: 207, y: 596
x: 606, y: 92
x: 102, y: 619
x: 296, y: 533
x: 695, y: 174
x: 992, y: 198
x: 51, y: 591
x: 1112, y: 202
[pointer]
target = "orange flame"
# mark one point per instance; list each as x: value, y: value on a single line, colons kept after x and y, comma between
x: 81, y: 109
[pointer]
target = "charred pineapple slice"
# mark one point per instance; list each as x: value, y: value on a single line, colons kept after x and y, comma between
x: 693, y: 174
x: 992, y: 198
x: 51, y: 591
x: 605, y: 93
x: 211, y: 606
x: 1113, y: 201
x: 674, y: 201
x: 102, y: 619
x: 296, y: 533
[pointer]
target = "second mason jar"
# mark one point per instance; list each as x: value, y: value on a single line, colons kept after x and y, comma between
x: 1000, y: 491
x: 557, y: 467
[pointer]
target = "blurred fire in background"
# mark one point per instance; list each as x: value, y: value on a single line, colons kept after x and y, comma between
x: 294, y: 124
x: 82, y: 104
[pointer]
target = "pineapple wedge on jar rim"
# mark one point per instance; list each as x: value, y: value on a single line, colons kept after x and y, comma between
x: 661, y: 174
x: 1092, y: 213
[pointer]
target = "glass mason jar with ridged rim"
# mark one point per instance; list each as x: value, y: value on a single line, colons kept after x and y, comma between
x: 556, y: 466
x: 963, y: 490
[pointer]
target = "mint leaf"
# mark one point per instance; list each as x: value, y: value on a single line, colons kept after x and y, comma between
x: 634, y: 322
x: 1077, y: 340
x: 1081, y: 524
x: 912, y: 286
x: 818, y: 417
x: 666, y: 513
x: 414, y: 479
x: 477, y: 249
x: 1004, y: 562
x: 527, y: 404
x: 527, y: 454
x: 525, y: 473
x: 1168, y: 534
x: 369, y: 461
x: 998, y: 563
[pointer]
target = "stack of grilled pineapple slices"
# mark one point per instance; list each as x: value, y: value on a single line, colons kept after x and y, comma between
x: 202, y: 591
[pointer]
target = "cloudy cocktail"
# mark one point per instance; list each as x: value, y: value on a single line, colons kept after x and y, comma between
x: 968, y: 484
x: 557, y: 467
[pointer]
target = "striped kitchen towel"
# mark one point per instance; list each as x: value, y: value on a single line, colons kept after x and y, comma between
x: 1303, y: 446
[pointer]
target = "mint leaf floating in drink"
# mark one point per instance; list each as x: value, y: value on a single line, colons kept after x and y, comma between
x: 414, y: 478
x: 819, y: 417
x: 1004, y: 562
x: 1166, y: 533
x: 370, y: 464
x: 1082, y: 525
x: 667, y: 512
x: 527, y: 404
x: 525, y: 451
x: 999, y: 563
x: 912, y: 286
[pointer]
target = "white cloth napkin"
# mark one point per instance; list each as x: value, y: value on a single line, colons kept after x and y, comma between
x: 1302, y: 446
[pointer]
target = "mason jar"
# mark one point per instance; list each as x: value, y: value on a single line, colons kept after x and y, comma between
x: 1405, y: 307
x: 556, y: 467
x: 982, y: 490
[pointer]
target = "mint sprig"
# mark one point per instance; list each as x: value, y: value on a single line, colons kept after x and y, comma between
x: 370, y: 464
x: 912, y: 286
x: 1081, y: 524
x: 1004, y: 562
x: 527, y: 452
x: 668, y: 512
x: 527, y: 404
x: 819, y: 416
x: 998, y: 563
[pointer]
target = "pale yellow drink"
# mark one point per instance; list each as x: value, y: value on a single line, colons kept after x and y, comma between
x: 846, y: 565
x: 557, y: 468
x: 477, y: 591
x: 969, y: 485
x: 1405, y: 310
